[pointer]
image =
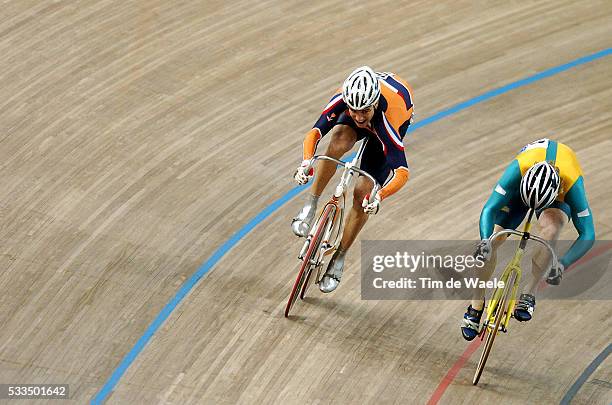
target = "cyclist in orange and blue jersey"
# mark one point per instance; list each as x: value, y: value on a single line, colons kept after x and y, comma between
x: 372, y: 105
x: 547, y: 177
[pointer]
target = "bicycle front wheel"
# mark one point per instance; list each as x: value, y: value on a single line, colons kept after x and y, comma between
x: 307, y: 266
x: 323, y: 225
x: 500, y: 311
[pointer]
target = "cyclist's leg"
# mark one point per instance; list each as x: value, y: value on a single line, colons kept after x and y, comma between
x: 356, y: 218
x: 355, y: 221
x: 509, y: 217
x: 472, y: 316
x: 373, y: 162
x: 478, y: 295
x: 343, y: 139
x: 551, y: 222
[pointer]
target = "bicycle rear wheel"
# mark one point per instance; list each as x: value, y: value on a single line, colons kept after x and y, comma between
x: 307, y: 266
x: 500, y: 312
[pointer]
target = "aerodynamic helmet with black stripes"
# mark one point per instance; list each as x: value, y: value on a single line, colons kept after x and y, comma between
x: 361, y: 88
x: 540, y: 186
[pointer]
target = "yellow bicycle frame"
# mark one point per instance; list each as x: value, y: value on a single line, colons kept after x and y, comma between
x: 513, y: 267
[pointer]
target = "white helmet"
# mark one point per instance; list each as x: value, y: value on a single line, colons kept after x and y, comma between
x: 361, y: 88
x: 540, y: 186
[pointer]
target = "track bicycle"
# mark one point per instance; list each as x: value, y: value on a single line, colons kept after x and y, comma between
x: 501, y: 306
x: 326, y: 232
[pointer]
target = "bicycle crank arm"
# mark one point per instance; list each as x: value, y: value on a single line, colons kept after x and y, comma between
x: 304, y: 248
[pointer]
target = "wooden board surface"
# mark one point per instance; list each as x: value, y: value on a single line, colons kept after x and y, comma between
x: 137, y: 137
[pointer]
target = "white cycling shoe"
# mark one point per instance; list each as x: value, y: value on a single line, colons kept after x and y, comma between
x: 332, y: 276
x: 302, y: 223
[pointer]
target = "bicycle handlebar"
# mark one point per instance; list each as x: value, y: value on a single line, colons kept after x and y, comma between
x: 555, y: 261
x: 353, y: 168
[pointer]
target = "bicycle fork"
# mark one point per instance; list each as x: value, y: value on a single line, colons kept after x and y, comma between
x: 513, y: 268
x: 325, y: 245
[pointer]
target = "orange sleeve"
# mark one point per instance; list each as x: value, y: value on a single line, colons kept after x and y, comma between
x: 400, y: 177
x: 310, y: 143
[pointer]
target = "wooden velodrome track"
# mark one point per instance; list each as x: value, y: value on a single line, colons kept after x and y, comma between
x: 137, y: 137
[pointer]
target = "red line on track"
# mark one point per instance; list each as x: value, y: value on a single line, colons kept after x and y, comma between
x: 473, y: 346
x: 452, y: 373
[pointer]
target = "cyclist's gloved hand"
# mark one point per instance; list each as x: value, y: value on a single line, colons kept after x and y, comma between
x: 484, y: 250
x: 555, y: 274
x: 371, y: 208
x: 300, y: 176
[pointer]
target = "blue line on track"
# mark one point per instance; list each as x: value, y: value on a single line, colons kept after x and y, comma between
x: 571, y: 393
x: 186, y: 288
x: 235, y: 238
x: 512, y: 86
